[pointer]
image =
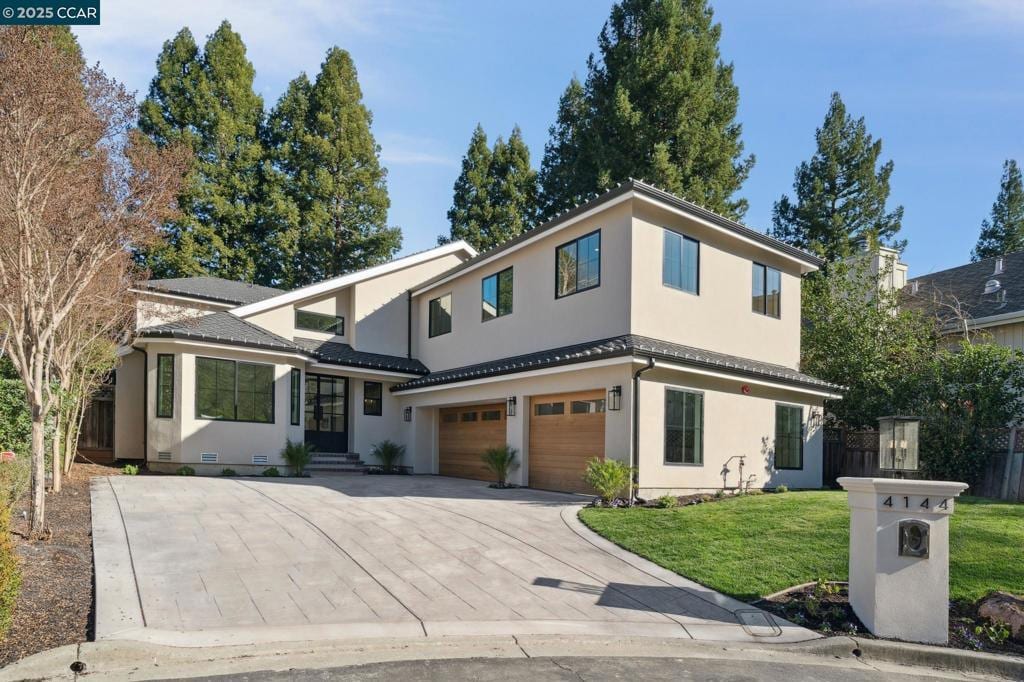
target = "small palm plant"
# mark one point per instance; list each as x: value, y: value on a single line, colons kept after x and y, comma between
x: 501, y: 461
x: 389, y: 454
x: 298, y: 455
x: 609, y: 477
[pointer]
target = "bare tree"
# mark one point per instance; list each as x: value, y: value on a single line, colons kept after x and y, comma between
x: 78, y: 189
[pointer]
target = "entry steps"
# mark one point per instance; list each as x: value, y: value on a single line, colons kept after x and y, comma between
x: 339, y: 462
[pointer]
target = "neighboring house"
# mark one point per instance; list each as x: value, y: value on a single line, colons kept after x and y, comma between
x: 637, y: 327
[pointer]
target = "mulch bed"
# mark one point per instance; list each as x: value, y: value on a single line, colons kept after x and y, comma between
x: 55, y: 606
x: 829, y: 613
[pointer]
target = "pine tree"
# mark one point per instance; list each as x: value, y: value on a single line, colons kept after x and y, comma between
x: 660, y: 105
x: 471, y: 212
x: 206, y: 100
x: 1004, y: 233
x: 840, y: 196
x: 561, y: 180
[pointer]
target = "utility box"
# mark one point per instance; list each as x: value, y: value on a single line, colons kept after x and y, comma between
x: 899, y: 555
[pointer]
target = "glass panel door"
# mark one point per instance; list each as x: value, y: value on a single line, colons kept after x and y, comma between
x: 326, y: 412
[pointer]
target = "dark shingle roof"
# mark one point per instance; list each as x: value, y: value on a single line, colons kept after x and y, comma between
x: 223, y: 328
x: 940, y: 293
x: 214, y: 289
x: 344, y: 354
x: 625, y: 345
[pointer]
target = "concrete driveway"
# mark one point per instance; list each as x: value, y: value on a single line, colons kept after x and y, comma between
x: 205, y: 561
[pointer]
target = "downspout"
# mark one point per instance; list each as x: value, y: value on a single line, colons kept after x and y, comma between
x: 408, y: 322
x: 634, y: 454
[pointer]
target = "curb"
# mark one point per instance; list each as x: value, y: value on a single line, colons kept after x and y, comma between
x: 905, y: 653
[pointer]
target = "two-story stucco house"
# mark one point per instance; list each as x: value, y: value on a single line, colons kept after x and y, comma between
x: 637, y: 327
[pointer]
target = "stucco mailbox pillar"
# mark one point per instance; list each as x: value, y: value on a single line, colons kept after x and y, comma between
x: 899, y: 555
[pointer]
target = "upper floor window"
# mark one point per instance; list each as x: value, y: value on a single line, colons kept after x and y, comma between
x: 789, y: 437
x: 318, y: 322
x: 766, y: 294
x: 684, y: 427
x: 497, y: 295
x: 440, y: 315
x: 680, y: 264
x: 236, y: 391
x: 578, y: 265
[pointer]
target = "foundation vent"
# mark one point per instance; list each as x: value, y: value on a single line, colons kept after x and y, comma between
x: 208, y: 458
x: 260, y: 459
x: 163, y: 456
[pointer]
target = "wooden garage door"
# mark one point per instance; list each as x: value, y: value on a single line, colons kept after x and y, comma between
x: 566, y: 431
x: 464, y: 434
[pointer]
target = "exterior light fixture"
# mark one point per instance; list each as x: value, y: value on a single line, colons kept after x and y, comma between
x: 898, y: 443
x: 510, y: 406
x: 407, y: 414
x: 615, y: 398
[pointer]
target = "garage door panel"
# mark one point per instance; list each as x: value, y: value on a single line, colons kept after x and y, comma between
x: 566, y: 431
x: 463, y: 436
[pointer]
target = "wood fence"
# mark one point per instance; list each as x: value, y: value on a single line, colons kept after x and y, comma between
x: 855, y: 453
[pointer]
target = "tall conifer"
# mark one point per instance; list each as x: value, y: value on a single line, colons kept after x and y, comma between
x: 1004, y: 233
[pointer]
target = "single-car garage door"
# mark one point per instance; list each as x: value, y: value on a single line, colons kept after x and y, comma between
x: 465, y: 433
x: 566, y: 430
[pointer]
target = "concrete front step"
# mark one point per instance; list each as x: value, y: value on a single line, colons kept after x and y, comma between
x: 336, y: 456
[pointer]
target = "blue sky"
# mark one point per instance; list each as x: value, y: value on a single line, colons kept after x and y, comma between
x: 940, y: 81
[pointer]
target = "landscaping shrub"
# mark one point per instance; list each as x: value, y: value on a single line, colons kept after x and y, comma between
x: 666, y: 502
x: 609, y: 477
x: 185, y: 471
x: 271, y: 471
x: 130, y: 470
x: 298, y: 455
x: 389, y: 454
x: 501, y: 461
x: 15, y: 422
x: 781, y: 489
x: 10, y: 576
x: 228, y: 472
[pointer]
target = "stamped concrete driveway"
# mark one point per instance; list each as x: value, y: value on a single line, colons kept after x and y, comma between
x: 203, y: 561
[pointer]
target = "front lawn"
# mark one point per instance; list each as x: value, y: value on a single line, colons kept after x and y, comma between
x: 755, y: 545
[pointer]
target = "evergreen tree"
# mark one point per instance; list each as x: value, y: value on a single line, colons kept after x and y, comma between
x: 206, y: 100
x: 1004, y: 233
x: 495, y: 195
x: 334, y: 203
x: 840, y: 196
x: 660, y: 105
x: 561, y: 182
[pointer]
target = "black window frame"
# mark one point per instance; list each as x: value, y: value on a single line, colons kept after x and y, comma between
x: 765, y: 269
x: 236, y: 363
x: 576, y: 241
x: 295, y: 397
x: 699, y: 442
x: 339, y: 321
x: 497, y: 292
x: 430, y: 315
x: 368, y: 409
x: 799, y: 437
x: 683, y: 239
x: 160, y: 385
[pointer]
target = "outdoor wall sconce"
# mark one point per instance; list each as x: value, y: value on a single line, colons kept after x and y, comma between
x: 615, y: 398
x: 407, y: 414
x: 898, y: 443
x: 510, y: 407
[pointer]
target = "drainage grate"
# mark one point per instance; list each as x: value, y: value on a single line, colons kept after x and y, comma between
x: 758, y: 623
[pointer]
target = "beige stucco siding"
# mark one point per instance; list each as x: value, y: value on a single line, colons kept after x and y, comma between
x: 281, y: 319
x: 539, y: 321
x: 719, y: 318
x: 151, y: 310
x: 129, y: 414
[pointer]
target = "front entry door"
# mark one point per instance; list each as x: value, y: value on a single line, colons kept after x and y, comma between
x: 327, y: 413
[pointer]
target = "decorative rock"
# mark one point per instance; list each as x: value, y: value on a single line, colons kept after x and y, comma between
x: 1007, y: 608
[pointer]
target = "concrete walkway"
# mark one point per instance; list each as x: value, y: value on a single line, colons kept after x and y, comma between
x: 217, y: 561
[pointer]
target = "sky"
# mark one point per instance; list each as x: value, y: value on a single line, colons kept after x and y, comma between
x: 941, y: 82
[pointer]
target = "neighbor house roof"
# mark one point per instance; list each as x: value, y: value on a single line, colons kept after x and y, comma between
x: 642, y: 189
x: 212, y: 289
x: 619, y: 346
x: 948, y: 293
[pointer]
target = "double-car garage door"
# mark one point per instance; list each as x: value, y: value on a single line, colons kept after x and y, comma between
x: 566, y: 430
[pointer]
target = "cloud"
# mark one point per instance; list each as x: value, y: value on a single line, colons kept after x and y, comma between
x: 398, y: 149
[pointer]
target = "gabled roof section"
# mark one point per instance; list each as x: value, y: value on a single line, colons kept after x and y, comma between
x: 621, y: 346
x: 223, y: 328
x: 625, y: 190
x: 212, y: 289
x: 344, y: 354
x: 337, y: 283
x: 961, y: 290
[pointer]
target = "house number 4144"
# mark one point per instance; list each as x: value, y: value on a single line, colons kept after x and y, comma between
x: 907, y: 502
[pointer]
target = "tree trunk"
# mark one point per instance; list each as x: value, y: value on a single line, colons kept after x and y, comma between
x: 38, y: 471
x: 57, y: 462
x: 73, y: 430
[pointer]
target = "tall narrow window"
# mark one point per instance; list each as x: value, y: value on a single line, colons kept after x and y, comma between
x: 680, y: 267
x: 165, y: 386
x: 684, y: 427
x: 296, y: 397
x: 440, y: 315
x: 496, y: 295
x: 766, y: 290
x: 373, y: 393
x: 789, y: 437
x: 236, y: 391
x: 578, y: 265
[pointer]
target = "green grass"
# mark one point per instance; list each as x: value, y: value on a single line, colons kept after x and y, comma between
x: 752, y: 546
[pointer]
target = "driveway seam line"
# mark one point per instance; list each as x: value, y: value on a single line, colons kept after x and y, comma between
x: 563, y: 561
x: 131, y: 556
x: 342, y: 550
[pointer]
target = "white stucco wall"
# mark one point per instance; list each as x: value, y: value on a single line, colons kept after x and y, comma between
x: 129, y: 412
x: 152, y: 310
